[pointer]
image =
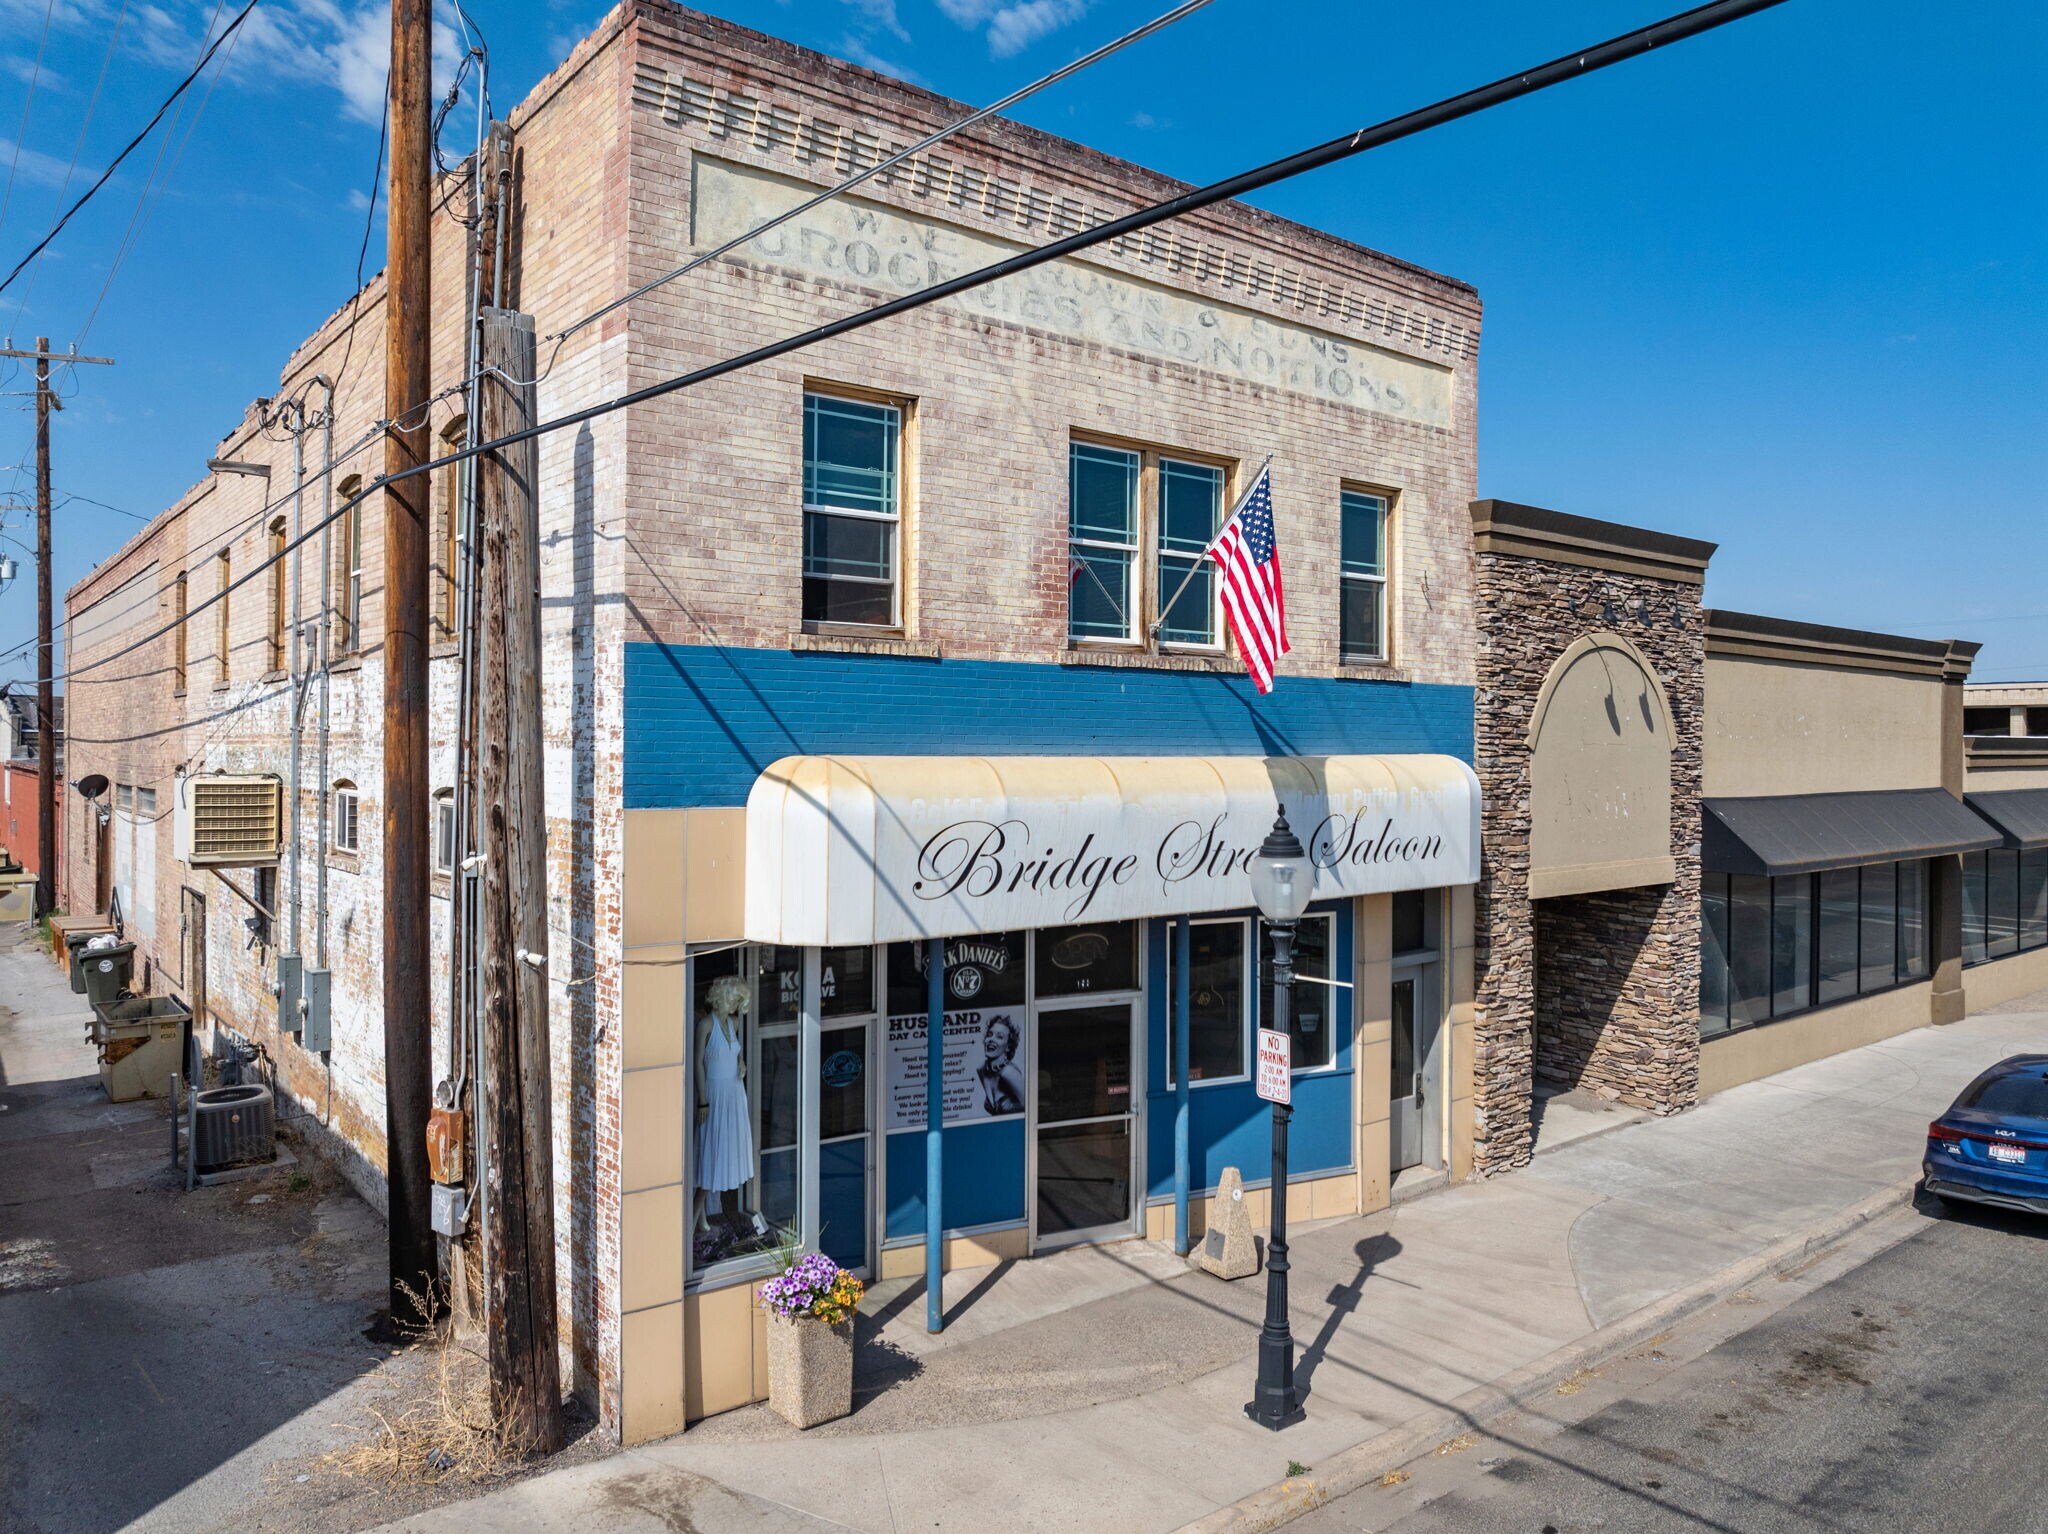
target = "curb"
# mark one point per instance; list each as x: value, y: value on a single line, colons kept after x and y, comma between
x: 1364, y: 1463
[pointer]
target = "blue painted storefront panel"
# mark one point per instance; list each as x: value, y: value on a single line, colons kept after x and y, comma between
x: 843, y: 1202
x: 1228, y: 1125
x: 701, y: 722
x: 984, y: 1183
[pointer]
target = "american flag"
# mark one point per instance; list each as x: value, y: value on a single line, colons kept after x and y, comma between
x: 1248, y: 559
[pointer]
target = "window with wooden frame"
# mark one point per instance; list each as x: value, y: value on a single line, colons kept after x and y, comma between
x: 348, y: 572
x: 853, y: 510
x: 345, y: 829
x: 1139, y: 523
x: 223, y: 565
x: 180, y: 646
x: 1367, y: 521
x: 454, y: 495
x: 279, y: 579
x: 444, y: 832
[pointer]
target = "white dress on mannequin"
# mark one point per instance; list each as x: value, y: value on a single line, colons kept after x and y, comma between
x: 725, y: 1139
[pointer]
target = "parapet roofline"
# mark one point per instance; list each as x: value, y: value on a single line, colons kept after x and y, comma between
x: 725, y: 37
x: 1755, y: 637
x: 1534, y: 532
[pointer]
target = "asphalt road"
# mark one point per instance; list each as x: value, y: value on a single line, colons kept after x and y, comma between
x: 1903, y: 1395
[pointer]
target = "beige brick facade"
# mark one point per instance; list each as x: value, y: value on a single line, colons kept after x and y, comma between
x: 1231, y: 334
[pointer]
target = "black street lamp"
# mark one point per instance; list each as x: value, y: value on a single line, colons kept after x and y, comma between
x: 1282, y: 880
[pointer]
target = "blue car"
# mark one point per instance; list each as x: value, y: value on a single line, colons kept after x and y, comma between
x: 1991, y: 1147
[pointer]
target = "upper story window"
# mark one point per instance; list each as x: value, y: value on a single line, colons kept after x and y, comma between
x: 852, y: 510
x: 453, y: 496
x: 346, y: 828
x: 1138, y: 524
x: 180, y: 602
x: 1364, y: 576
x: 348, y: 572
x: 444, y: 831
x: 280, y: 575
x: 223, y: 564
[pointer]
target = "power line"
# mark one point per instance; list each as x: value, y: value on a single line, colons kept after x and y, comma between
x: 21, y: 132
x: 1156, y: 24
x: 129, y: 148
x: 1570, y: 66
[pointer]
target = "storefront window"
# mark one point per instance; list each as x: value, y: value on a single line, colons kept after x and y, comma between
x: 1836, y: 963
x: 1749, y: 948
x: 2034, y: 898
x: 743, y: 1066
x: 2002, y: 902
x: 1713, y: 954
x: 1791, y: 943
x: 1974, y: 949
x: 984, y: 1051
x: 1216, y: 1002
x: 1878, y: 941
x: 1072, y: 961
x: 1913, y: 920
x: 1309, y: 1021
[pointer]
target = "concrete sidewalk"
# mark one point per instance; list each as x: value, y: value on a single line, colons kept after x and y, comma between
x: 1102, y: 1389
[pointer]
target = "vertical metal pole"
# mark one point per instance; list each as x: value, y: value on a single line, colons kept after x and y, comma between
x: 1183, y: 945
x: 934, y: 1130
x: 1273, y: 1404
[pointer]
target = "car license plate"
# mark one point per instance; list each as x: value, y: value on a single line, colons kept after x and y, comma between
x: 2014, y: 1154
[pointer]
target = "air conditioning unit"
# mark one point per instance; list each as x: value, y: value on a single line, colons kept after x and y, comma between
x: 229, y: 822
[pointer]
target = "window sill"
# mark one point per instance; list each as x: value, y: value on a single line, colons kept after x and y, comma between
x: 353, y: 661
x: 275, y: 674
x: 1148, y: 660
x: 351, y: 862
x: 441, y: 649
x: 1371, y: 671
x: 854, y: 642
x: 177, y: 692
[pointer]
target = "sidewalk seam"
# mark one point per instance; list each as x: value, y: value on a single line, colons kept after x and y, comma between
x: 1363, y: 1463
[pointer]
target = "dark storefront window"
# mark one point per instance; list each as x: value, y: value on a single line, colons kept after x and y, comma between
x: 1770, y: 948
x: 2005, y: 903
x: 1313, y: 1006
x: 1216, y: 1002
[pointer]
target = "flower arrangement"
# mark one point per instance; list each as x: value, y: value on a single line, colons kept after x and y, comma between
x: 814, y: 1286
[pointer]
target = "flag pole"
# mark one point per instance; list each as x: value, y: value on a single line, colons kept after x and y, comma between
x: 1250, y: 485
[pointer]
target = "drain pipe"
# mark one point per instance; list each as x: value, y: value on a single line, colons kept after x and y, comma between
x: 325, y: 662
x: 298, y: 429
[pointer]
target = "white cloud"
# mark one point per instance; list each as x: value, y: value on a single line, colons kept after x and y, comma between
x: 1016, y: 27
x: 33, y: 167
x: 882, y: 13
x: 967, y: 13
x: 853, y: 48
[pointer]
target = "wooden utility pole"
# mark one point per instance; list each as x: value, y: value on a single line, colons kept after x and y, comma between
x: 46, y: 698
x: 408, y: 1013
x: 515, y: 1116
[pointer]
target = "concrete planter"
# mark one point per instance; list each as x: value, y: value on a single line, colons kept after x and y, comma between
x: 810, y: 1369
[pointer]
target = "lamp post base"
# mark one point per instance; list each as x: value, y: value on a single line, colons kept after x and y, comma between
x: 1280, y: 1415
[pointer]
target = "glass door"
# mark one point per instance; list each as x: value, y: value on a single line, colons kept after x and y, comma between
x: 1083, y: 1143
x: 1416, y: 1122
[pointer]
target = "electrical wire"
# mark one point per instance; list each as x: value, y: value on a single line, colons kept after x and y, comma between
x: 1567, y: 67
x: 139, y: 219
x: 130, y: 147
x: 1156, y: 24
x: 28, y: 101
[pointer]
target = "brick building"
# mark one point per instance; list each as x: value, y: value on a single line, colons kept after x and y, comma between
x: 877, y: 698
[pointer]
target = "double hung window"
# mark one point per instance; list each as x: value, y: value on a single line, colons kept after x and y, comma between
x: 1363, y: 576
x: 345, y: 830
x: 852, y: 510
x: 1138, y: 525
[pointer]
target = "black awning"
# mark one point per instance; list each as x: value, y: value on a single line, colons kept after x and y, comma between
x: 1805, y: 833
x: 2020, y: 813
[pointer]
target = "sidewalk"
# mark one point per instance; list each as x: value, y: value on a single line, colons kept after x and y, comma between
x: 1102, y: 1389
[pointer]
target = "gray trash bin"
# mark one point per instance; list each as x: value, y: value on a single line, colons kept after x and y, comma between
x: 107, y: 972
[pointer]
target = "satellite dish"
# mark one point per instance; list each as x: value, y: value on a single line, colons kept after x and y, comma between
x: 92, y: 785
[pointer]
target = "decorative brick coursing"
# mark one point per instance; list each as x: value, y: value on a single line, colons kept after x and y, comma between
x: 1619, y: 1004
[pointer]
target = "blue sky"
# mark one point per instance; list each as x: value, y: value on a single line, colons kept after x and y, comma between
x: 1782, y: 287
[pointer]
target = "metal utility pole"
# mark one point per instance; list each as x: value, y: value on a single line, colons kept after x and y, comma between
x: 516, y: 1112
x: 46, y: 701
x: 408, y: 1007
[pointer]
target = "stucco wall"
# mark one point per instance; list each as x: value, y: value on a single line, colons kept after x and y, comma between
x: 1778, y: 727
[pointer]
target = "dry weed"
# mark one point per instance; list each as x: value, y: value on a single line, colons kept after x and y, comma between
x: 441, y: 1426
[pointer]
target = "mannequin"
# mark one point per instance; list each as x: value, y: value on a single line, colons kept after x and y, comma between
x: 725, y: 1135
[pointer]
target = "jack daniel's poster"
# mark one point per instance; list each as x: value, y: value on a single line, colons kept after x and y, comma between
x: 984, y: 1030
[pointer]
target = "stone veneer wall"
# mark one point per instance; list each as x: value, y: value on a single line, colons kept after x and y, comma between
x: 1612, y: 1013
x: 1639, y: 1009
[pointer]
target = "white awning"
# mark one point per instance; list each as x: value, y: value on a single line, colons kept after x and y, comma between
x: 876, y: 849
